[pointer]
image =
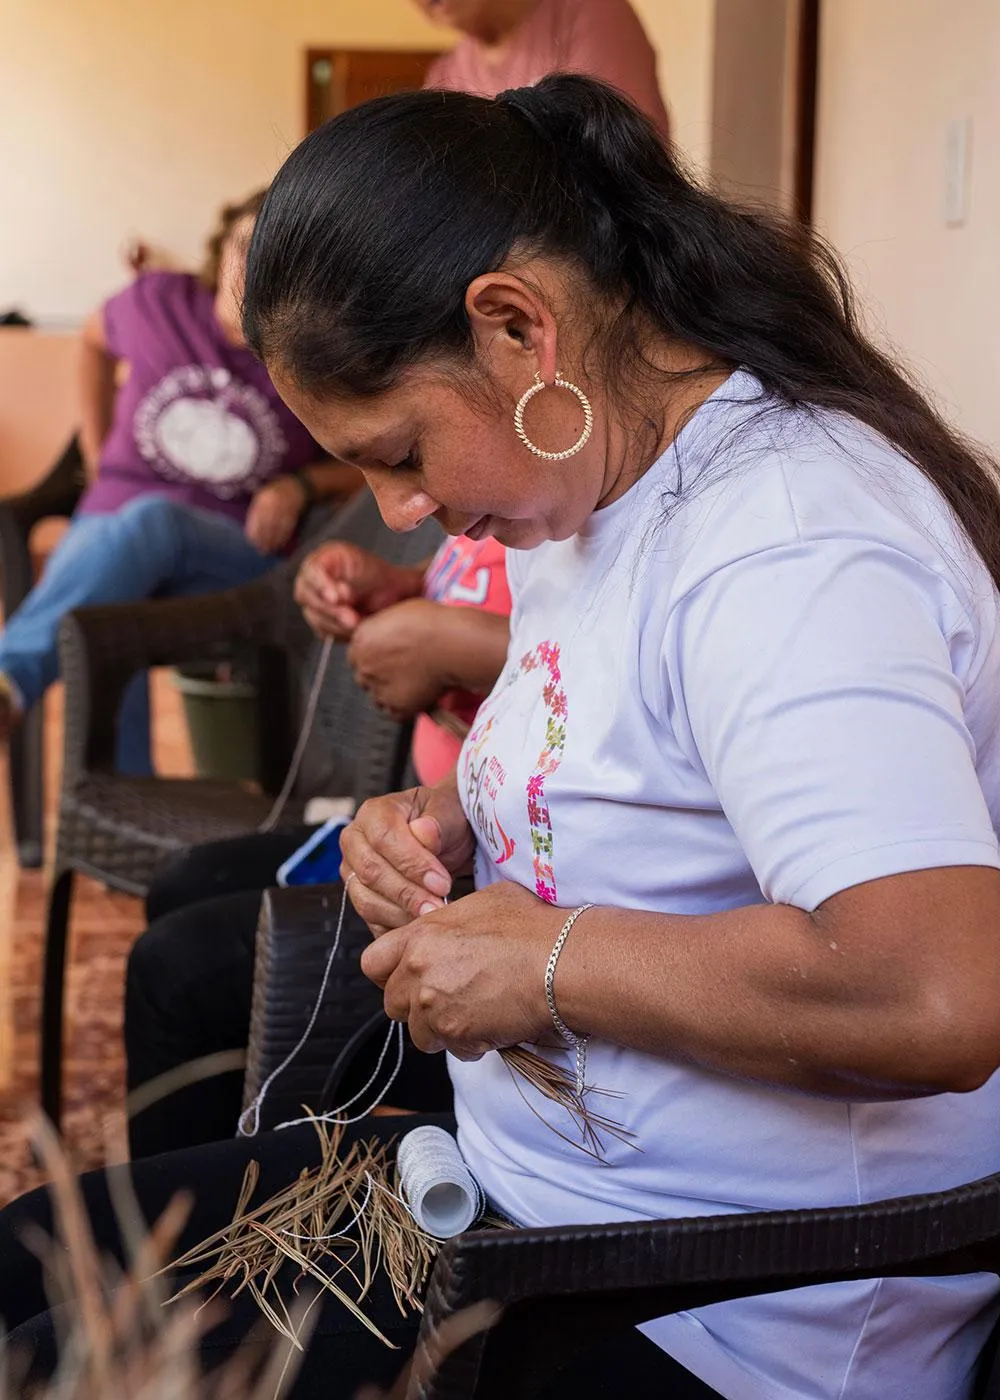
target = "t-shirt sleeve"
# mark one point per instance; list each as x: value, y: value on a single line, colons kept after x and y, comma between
x: 813, y: 683
x: 608, y: 42
x: 121, y: 315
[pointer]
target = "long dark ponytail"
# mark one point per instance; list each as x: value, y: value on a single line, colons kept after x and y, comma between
x: 377, y: 223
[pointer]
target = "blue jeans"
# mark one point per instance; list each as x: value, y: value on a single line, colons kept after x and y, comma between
x: 151, y: 547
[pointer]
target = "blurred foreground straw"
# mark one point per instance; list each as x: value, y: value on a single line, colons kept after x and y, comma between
x: 115, y: 1340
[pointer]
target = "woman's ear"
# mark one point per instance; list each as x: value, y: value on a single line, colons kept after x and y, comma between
x: 513, y: 328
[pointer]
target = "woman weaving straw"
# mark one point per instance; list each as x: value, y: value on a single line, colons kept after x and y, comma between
x: 732, y: 803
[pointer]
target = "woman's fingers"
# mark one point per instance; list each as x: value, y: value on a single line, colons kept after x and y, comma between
x: 392, y: 886
x: 381, y: 832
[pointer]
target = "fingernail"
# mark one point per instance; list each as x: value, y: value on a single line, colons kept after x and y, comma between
x: 428, y: 908
x: 437, y: 883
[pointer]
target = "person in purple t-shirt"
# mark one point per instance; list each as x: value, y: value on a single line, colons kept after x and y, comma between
x: 199, y: 473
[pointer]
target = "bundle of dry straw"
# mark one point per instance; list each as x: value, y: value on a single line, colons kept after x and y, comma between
x: 337, y: 1224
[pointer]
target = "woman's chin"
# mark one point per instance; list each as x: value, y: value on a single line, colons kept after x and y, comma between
x: 518, y: 534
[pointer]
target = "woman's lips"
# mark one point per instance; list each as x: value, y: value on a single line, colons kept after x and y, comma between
x: 478, y: 530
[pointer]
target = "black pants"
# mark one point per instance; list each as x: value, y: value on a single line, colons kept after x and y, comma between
x: 188, y: 992
x: 342, y: 1354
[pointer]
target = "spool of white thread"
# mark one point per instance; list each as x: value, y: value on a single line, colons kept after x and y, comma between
x: 443, y: 1196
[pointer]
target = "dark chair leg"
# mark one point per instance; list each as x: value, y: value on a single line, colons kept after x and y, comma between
x: 53, y: 994
x: 27, y: 789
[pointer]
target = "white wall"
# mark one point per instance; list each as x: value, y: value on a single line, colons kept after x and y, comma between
x: 682, y: 32
x: 124, y: 117
x: 893, y: 74
x: 131, y: 117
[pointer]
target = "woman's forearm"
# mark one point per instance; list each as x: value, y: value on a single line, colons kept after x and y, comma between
x: 860, y: 1000
x: 97, y: 391
x: 471, y: 648
x: 326, y: 479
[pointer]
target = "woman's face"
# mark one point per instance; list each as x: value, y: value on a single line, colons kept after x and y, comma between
x: 427, y: 450
x: 229, y: 291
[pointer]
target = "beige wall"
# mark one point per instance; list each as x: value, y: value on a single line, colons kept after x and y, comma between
x: 122, y: 117
x: 128, y: 117
x: 681, y: 31
x: 893, y: 74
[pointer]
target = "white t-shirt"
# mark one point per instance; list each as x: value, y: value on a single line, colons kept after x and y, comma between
x: 777, y: 684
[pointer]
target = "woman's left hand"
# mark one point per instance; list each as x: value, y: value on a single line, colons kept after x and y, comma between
x: 470, y: 977
x: 395, y: 656
x: 274, y: 513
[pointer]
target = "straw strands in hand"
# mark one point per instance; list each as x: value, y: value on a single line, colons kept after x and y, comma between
x: 555, y: 1083
x: 337, y: 1225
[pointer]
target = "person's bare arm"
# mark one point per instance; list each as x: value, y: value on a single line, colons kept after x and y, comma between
x: 97, y: 390
x: 409, y: 655
x: 470, y: 648
x: 888, y: 991
x: 326, y: 478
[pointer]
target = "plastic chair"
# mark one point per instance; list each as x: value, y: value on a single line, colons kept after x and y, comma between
x: 563, y: 1289
x: 119, y: 829
x: 56, y: 496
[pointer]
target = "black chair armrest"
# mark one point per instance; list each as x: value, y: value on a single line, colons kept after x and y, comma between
x: 56, y: 495
x: 296, y: 931
x: 100, y: 648
x: 562, y: 1289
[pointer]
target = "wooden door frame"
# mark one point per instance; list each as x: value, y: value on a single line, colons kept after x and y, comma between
x: 808, y: 92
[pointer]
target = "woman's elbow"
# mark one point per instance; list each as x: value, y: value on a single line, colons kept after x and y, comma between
x: 955, y: 1042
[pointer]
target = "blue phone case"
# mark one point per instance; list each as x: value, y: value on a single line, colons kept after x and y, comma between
x: 317, y: 861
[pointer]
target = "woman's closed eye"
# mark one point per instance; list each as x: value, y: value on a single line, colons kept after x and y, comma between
x: 409, y: 463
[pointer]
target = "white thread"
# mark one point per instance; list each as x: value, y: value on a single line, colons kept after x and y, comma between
x: 253, y: 1109
x: 333, y: 1115
x: 401, y: 1200
x: 281, y: 801
x: 440, y: 1192
x: 337, y: 1234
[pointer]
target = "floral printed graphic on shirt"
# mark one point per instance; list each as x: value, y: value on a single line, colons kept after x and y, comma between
x: 477, y: 765
x: 545, y: 655
x: 484, y: 777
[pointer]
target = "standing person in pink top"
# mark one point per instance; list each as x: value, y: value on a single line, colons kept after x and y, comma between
x: 515, y: 43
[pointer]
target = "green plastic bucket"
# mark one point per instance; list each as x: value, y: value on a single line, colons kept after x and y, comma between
x: 224, y: 723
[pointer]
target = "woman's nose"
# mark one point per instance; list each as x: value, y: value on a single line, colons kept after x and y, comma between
x: 401, y: 507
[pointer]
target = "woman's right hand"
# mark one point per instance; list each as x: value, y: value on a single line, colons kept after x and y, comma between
x: 401, y: 851
x: 338, y: 584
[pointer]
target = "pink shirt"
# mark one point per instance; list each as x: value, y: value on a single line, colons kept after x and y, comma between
x: 602, y: 38
x: 463, y: 574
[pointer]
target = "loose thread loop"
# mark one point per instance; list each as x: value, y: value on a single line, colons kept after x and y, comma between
x: 249, y: 1120
x: 281, y: 801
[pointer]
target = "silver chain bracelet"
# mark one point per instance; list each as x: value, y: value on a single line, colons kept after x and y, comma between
x: 579, y: 1042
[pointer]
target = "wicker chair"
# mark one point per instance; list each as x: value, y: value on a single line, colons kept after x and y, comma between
x: 56, y: 496
x: 120, y: 829
x: 563, y: 1289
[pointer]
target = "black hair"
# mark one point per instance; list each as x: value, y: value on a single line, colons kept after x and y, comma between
x: 377, y: 223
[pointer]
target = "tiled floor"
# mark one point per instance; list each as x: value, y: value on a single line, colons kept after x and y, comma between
x: 103, y: 928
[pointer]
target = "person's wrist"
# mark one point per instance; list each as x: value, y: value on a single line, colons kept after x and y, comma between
x: 545, y: 931
x: 306, y: 488
x: 446, y: 653
x: 567, y: 982
x: 411, y: 582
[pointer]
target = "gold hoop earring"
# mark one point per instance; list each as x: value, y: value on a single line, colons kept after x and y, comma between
x: 525, y: 399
